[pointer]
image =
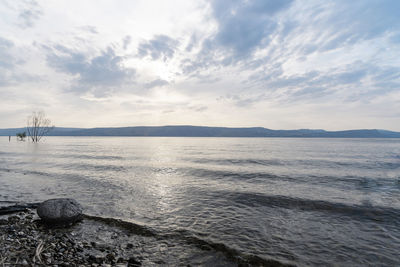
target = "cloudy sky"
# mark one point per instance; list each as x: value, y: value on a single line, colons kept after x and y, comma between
x: 280, y: 64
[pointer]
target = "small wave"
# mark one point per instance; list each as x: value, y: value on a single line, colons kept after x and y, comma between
x: 131, y: 227
x: 369, y: 212
x: 232, y: 254
x: 360, y: 183
x: 240, y: 162
x: 87, y: 156
x: 348, y: 182
x: 240, y: 258
x: 215, y: 174
x: 94, y: 182
x: 97, y: 167
x: 384, y: 164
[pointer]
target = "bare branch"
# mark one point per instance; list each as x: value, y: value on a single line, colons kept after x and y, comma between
x: 38, y: 126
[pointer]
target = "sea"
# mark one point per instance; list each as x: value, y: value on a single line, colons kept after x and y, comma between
x: 211, y: 201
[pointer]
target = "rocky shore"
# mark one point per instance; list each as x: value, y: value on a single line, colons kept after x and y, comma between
x: 25, y: 241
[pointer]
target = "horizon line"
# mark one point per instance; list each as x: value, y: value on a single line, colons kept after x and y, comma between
x: 205, y: 126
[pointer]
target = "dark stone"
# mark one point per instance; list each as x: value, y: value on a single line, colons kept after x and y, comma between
x: 92, y: 258
x: 60, y: 211
x: 133, y: 262
x: 96, y: 258
x: 13, y: 219
x: 110, y: 257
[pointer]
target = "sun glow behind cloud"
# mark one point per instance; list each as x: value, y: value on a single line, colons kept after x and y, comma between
x: 277, y: 64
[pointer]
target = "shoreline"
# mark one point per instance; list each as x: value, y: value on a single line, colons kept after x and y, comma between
x: 25, y: 241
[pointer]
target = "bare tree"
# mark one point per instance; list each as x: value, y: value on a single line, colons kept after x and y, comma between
x: 38, y: 126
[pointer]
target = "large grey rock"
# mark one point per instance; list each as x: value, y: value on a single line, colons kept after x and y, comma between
x: 60, y: 211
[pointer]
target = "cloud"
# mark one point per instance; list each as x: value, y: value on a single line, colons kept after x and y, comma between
x: 310, y: 93
x: 242, y: 101
x: 309, y: 57
x: 99, y: 75
x: 10, y: 62
x: 90, y: 29
x: 160, y: 47
x: 29, y: 14
x: 244, y: 25
x: 126, y: 41
x: 156, y: 83
x: 6, y: 59
x: 198, y: 108
x: 321, y: 27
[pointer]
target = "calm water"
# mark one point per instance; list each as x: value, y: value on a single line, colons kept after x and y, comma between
x: 309, y: 202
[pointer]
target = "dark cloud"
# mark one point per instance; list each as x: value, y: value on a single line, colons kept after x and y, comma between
x: 99, y: 75
x: 30, y: 13
x: 244, y: 25
x: 160, y: 47
x: 156, y: 83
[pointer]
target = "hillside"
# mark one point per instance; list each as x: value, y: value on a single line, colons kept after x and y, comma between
x: 202, y: 131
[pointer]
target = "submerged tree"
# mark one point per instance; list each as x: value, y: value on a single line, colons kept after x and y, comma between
x: 38, y: 126
x: 21, y: 136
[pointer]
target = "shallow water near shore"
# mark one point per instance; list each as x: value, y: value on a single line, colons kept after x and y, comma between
x: 308, y: 202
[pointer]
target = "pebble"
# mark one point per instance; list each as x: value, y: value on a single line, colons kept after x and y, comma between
x: 46, y: 255
x: 13, y: 219
x: 133, y: 262
x: 20, y: 237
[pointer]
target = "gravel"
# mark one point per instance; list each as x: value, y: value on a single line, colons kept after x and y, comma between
x: 24, y: 241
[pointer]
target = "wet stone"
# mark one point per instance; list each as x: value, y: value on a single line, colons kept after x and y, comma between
x: 13, y: 219
x: 134, y: 262
x: 60, y: 211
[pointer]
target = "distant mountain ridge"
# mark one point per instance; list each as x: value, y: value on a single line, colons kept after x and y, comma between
x: 204, y: 131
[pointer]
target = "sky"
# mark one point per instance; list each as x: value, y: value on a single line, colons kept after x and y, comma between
x: 279, y: 64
